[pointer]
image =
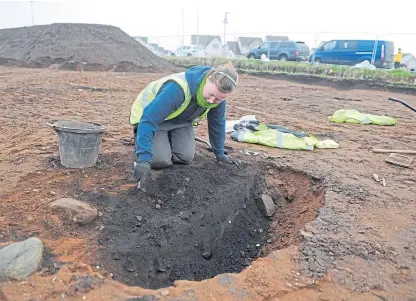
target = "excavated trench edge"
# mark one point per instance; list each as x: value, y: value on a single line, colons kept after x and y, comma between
x: 182, y: 229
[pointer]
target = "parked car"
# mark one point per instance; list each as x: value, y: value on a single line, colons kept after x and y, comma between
x: 281, y: 50
x: 352, y: 52
x: 189, y: 50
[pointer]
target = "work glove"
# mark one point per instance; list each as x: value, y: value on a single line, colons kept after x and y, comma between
x: 228, y: 159
x: 141, y: 169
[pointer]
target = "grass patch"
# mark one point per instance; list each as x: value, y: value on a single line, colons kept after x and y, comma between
x: 324, y: 71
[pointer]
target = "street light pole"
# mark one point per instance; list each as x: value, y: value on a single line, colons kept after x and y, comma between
x: 183, y: 27
x: 225, y: 30
x: 31, y: 11
x: 197, y: 25
x: 178, y: 37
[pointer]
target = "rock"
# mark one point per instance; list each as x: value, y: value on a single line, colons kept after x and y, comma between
x: 376, y: 177
x: 129, y: 266
x: 185, y: 215
x: 20, y: 260
x: 78, y: 212
x: 276, y: 195
x: 207, y: 254
x: 83, y: 284
x: 267, y: 205
x: 206, y: 251
x: 159, y: 265
x: 305, y: 234
x: 291, y: 198
x: 158, y: 206
x: 164, y: 293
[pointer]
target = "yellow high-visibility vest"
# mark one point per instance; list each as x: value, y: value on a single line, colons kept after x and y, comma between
x: 398, y: 57
x: 354, y: 116
x: 264, y: 135
x: 149, y: 93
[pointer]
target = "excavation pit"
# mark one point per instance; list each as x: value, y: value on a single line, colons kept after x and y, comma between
x: 195, y: 222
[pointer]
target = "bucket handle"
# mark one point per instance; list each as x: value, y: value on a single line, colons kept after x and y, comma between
x: 53, y: 126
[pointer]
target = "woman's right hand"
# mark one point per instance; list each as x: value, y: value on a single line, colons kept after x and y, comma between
x: 141, y: 169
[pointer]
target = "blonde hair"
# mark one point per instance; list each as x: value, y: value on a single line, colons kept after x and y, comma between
x: 225, y: 78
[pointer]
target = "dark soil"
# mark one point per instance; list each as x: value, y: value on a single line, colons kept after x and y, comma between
x: 102, y: 47
x: 208, y: 223
x: 196, y: 221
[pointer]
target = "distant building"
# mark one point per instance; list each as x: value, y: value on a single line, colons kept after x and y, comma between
x: 410, y: 61
x: 211, y: 44
x: 245, y: 44
x: 233, y: 46
x: 154, y: 47
x: 276, y: 38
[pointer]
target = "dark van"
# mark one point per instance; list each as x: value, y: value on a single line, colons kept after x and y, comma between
x: 351, y: 52
x: 282, y: 51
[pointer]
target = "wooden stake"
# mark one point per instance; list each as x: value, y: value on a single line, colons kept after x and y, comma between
x: 397, y: 151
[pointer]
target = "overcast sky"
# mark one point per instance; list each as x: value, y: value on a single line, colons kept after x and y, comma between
x: 312, y: 21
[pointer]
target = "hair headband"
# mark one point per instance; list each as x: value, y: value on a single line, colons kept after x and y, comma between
x: 227, y: 76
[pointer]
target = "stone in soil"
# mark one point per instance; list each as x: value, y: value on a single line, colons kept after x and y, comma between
x: 20, y: 260
x: 267, y: 205
x: 74, y: 210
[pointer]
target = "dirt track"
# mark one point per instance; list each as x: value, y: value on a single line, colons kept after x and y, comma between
x: 362, y: 242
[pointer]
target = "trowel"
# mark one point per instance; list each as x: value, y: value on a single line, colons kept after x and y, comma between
x: 141, y: 182
x: 203, y: 141
x: 208, y: 144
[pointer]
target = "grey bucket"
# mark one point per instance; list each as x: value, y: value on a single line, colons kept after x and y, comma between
x: 79, y: 142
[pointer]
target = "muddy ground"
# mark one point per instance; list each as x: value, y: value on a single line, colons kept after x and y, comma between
x: 337, y: 234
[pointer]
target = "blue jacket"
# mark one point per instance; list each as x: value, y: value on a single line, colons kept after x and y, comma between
x: 169, y: 98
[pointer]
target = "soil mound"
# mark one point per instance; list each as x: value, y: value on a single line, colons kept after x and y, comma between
x: 64, y: 43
